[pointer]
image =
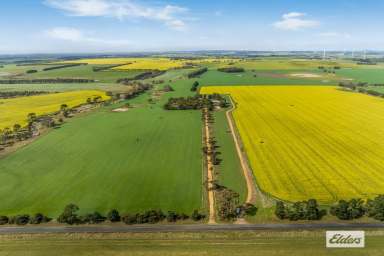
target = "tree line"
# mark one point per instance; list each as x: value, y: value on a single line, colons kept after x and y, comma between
x: 361, y: 87
x: 141, y: 76
x: 71, y: 216
x: 197, y: 73
x: 107, y: 67
x: 64, y: 66
x: 196, y: 102
x: 344, y: 209
x: 231, y: 70
x: 7, y: 95
x: 227, y: 200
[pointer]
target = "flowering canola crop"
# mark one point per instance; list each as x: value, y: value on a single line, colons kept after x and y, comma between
x: 15, y: 111
x: 311, y: 141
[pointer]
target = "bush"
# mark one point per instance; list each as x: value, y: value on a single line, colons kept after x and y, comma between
x: 69, y: 215
x: 348, y: 210
x: 196, y: 216
x: 93, y: 218
x: 4, y: 220
x: 375, y: 208
x: 305, y: 210
x: 20, y: 219
x: 113, y: 216
x: 39, y: 218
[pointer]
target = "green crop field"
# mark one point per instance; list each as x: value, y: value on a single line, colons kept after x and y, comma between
x: 372, y: 75
x: 145, y: 158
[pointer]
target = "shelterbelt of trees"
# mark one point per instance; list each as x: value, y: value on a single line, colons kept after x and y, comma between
x: 7, y: 95
x: 343, y: 210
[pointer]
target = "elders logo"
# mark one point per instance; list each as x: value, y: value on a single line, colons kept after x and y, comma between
x: 345, y: 239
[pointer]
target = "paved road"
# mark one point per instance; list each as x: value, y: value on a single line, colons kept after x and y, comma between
x: 184, y: 228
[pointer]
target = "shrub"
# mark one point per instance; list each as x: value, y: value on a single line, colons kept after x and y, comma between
x: 69, y: 215
x: 113, y: 216
x: 21, y: 219
x: 4, y: 220
x: 375, y: 208
x: 348, y: 210
x: 92, y: 218
x: 196, y: 216
x: 39, y: 218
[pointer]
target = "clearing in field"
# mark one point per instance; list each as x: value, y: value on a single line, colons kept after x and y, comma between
x: 15, y: 111
x: 310, y: 141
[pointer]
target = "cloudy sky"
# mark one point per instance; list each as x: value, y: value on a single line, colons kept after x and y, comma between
x: 73, y: 26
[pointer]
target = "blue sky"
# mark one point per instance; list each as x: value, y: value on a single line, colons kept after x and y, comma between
x: 73, y: 26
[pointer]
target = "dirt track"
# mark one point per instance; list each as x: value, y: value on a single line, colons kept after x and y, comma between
x: 251, y: 186
x: 211, y: 196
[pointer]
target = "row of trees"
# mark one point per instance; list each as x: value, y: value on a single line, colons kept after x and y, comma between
x: 362, y: 88
x: 141, y: 76
x: 9, y: 136
x: 70, y: 216
x: 231, y: 70
x: 343, y: 210
x: 24, y: 219
x: 197, y: 73
x: 104, y: 67
x: 227, y: 200
x: 6, y: 95
x: 64, y: 66
x: 46, y: 81
x: 196, y: 102
x: 136, y: 88
x: 357, y: 208
x: 303, y: 210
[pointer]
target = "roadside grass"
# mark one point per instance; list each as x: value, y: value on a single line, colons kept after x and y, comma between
x: 268, y: 243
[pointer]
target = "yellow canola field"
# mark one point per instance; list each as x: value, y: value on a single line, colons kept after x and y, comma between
x: 149, y: 63
x: 311, y: 141
x: 134, y: 63
x: 15, y: 111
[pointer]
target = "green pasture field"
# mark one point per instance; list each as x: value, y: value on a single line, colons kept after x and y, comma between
x: 230, y: 173
x: 266, y: 77
x: 85, y: 71
x: 367, y: 75
x: 145, y: 158
x: 298, y: 243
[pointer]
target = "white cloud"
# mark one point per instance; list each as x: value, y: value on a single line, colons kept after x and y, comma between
x: 121, y: 9
x: 295, y: 21
x: 78, y: 36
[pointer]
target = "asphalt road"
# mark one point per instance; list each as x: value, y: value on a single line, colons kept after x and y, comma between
x: 183, y: 228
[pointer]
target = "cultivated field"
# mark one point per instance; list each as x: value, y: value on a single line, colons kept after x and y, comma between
x: 311, y: 142
x: 15, y: 111
x: 145, y: 158
x: 135, y: 63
